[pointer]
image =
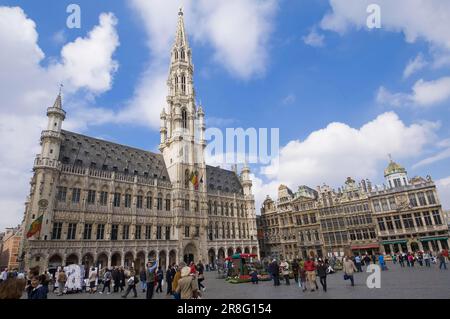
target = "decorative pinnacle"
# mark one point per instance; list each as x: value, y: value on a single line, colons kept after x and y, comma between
x: 180, y: 12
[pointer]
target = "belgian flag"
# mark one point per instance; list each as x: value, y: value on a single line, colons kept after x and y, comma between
x: 35, y: 226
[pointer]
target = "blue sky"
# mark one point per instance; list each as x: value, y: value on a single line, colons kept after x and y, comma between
x: 353, y: 77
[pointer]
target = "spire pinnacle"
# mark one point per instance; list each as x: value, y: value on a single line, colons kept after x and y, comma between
x: 181, y: 39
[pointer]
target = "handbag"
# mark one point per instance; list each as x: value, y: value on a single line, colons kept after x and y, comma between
x: 346, y: 277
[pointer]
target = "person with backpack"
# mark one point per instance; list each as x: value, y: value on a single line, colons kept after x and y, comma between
x: 132, y: 282
x: 107, y: 281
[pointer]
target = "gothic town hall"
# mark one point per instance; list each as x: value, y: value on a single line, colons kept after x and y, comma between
x: 104, y: 204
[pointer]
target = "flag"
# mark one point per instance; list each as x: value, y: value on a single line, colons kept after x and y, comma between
x: 35, y: 226
x: 194, y: 180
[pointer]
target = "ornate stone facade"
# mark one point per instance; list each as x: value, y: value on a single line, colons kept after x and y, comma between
x: 109, y: 204
x: 403, y: 215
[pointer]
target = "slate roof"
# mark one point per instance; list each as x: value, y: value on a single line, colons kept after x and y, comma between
x: 81, y: 150
x: 223, y: 180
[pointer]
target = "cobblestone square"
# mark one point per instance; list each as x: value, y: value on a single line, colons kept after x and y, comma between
x: 403, y: 283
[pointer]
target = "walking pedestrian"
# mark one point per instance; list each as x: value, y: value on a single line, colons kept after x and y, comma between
x: 441, y: 259
x: 132, y: 282
x: 349, y: 268
x: 254, y: 276
x: 107, y: 277
x: 358, y: 263
x: 201, y: 276
x: 322, y: 273
x: 426, y: 258
x: 160, y: 277
x: 302, y: 275
x: 284, y: 267
x: 62, y: 278
x: 169, y: 278
x: 295, y: 270
x: 367, y: 260
x: 92, y: 280
x: 310, y: 268
x: 382, y: 262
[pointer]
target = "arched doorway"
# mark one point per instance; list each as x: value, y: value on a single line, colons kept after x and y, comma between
x: 230, y: 252
x: 140, y: 261
x: 221, y: 254
x: 88, y: 261
x: 72, y: 259
x: 211, y: 256
x: 247, y: 250
x: 239, y: 250
x: 55, y: 261
x: 172, y: 257
x: 102, y: 260
x: 163, y: 259
x: 190, y: 252
x: 129, y: 260
x: 116, y: 260
x: 254, y: 250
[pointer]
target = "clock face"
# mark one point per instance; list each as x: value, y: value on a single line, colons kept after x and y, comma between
x: 43, y: 203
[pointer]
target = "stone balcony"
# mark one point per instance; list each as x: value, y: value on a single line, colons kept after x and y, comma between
x: 51, y: 134
x: 40, y: 162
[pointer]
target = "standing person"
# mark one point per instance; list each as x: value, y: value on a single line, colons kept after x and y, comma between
x: 310, y: 268
x: 35, y: 289
x: 254, y: 276
x: 295, y: 270
x: 349, y: 268
x: 187, y: 286
x: 92, y: 279
x: 44, y: 281
x: 4, y: 275
x: 62, y: 278
x: 176, y: 278
x: 441, y: 258
x: 374, y: 259
x: 401, y: 260
x: 201, y: 276
x: 394, y: 259
x: 115, y: 278
x: 302, y: 275
x: 420, y: 259
x: 142, y: 278
x: 121, y: 279
x: 381, y: 262
x: 160, y: 277
x: 410, y: 260
x: 132, y: 282
x: 358, y: 263
x: 150, y: 278
x: 107, y: 281
x: 169, y: 278
x: 426, y: 258
x: 367, y: 260
x: 284, y: 266
x: 276, y: 272
x: 322, y: 273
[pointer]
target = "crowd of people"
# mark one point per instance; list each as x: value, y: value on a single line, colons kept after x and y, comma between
x: 182, y: 281
x: 305, y: 272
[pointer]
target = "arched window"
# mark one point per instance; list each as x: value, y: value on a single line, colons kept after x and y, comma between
x: 183, y: 56
x: 183, y: 84
x: 215, y: 207
x: 159, y: 203
x: 184, y: 118
x: 186, y: 179
x: 176, y: 54
x: 176, y: 84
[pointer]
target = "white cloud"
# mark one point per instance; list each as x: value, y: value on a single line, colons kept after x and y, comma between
x: 237, y: 31
x: 338, y: 151
x: 417, y: 19
x: 314, y: 39
x: 433, y: 159
x: 424, y: 94
x: 27, y: 89
x: 443, y: 187
x: 415, y: 65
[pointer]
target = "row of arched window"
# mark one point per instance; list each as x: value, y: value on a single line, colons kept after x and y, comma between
x: 228, y: 230
x: 226, y: 209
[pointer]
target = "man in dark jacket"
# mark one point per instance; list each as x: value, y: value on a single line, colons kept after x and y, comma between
x: 160, y: 276
x: 294, y: 266
x: 169, y: 278
x: 115, y: 277
x: 121, y: 279
x: 322, y: 273
x: 142, y: 278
